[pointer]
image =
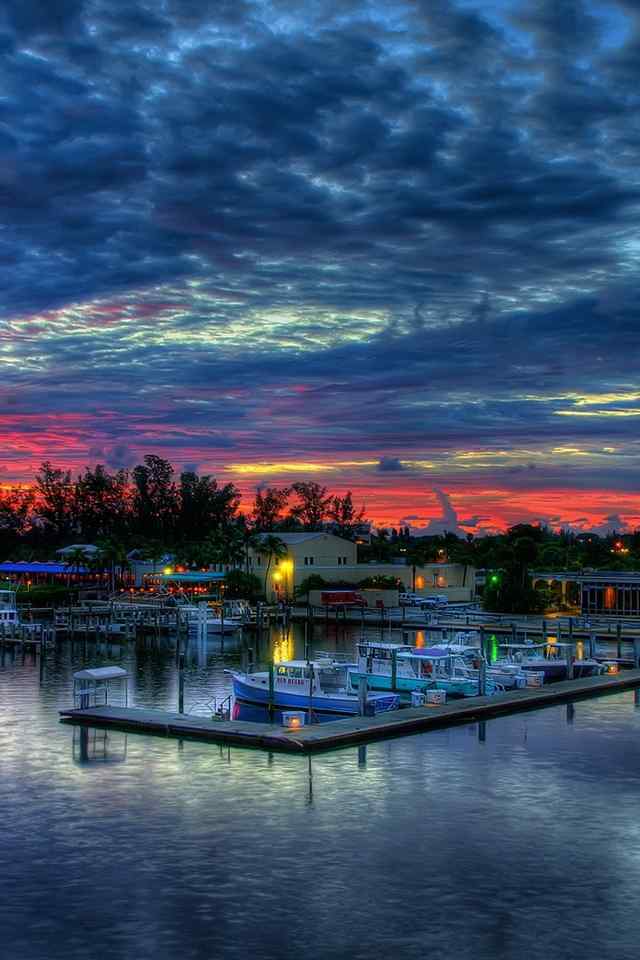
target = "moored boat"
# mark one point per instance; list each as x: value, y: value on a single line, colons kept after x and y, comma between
x: 318, y: 685
x: 549, y: 659
x: 389, y: 666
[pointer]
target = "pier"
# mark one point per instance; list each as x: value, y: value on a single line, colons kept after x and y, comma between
x: 352, y: 730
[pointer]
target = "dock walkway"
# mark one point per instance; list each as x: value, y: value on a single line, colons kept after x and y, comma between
x: 352, y: 730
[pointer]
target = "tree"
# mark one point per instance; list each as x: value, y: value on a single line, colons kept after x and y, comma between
x: 268, y: 506
x: 101, y: 502
x: 55, y: 501
x: 227, y: 545
x: 273, y: 548
x: 155, y: 498
x: 114, y: 555
x: 312, y: 506
x: 203, y: 506
x: 242, y: 586
x: 312, y: 582
x: 15, y: 518
x: 342, y: 513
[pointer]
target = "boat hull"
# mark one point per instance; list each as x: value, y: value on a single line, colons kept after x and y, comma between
x: 258, y: 692
x: 454, y: 686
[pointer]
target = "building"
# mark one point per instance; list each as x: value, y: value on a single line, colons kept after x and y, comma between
x: 614, y: 593
x: 336, y: 560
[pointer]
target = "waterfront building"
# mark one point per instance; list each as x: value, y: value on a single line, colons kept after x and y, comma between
x: 614, y: 593
x: 335, y: 559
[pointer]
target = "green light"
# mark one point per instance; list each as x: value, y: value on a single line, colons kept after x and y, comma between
x: 495, y: 578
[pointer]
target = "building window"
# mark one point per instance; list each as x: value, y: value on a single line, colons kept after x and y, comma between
x: 308, y: 561
x: 342, y: 561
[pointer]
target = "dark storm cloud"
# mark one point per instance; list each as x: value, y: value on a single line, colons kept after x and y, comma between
x: 423, y: 212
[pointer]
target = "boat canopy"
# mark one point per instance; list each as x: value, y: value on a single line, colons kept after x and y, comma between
x: 427, y: 653
x: 101, y: 673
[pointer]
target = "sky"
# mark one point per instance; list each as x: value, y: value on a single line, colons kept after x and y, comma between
x: 391, y: 247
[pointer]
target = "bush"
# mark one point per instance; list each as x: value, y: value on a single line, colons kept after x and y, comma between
x: 380, y: 583
x: 313, y: 582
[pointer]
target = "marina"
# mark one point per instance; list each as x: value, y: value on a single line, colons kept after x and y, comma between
x: 349, y: 731
x: 236, y: 829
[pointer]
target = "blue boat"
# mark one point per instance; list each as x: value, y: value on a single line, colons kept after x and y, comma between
x: 321, y: 686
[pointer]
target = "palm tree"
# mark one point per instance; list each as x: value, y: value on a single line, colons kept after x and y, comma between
x: 114, y: 553
x: 273, y: 548
x: 76, y: 559
x: 252, y: 541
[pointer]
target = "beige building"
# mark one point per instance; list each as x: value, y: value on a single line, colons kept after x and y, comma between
x: 336, y: 559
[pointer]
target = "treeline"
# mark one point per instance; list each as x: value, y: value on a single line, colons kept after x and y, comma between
x: 509, y: 557
x: 156, y: 510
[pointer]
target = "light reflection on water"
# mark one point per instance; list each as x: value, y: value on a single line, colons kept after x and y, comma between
x: 521, y: 844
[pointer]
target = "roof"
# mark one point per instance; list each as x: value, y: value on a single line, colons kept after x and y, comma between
x: 429, y: 653
x: 193, y: 576
x: 34, y: 567
x: 88, y: 548
x: 297, y: 537
x: 101, y: 673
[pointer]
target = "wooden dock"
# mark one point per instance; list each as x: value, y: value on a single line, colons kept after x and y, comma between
x: 351, y: 730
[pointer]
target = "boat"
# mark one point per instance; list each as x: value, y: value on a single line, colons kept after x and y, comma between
x: 468, y: 658
x: 417, y: 668
x: 8, y: 609
x: 213, y: 619
x: 549, y: 659
x: 321, y: 686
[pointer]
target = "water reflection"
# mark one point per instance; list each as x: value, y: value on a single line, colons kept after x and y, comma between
x: 92, y: 745
x: 436, y: 844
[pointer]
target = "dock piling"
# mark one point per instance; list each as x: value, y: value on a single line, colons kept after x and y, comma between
x: 181, y: 684
x: 362, y: 695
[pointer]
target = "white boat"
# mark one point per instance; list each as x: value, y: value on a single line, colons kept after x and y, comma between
x: 209, y: 619
x: 549, y: 659
x: 9, y: 616
x: 321, y: 686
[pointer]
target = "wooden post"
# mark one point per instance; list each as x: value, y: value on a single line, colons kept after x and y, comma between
x: 592, y: 644
x: 362, y: 695
x: 619, y: 640
x: 394, y: 670
x: 482, y: 677
x: 636, y: 653
x: 271, y: 689
x: 544, y: 631
x: 310, y: 669
x: 570, y: 661
x: 181, y: 684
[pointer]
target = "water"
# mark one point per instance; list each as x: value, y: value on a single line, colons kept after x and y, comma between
x: 515, y: 839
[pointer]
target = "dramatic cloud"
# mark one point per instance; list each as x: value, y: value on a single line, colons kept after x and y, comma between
x: 393, y: 246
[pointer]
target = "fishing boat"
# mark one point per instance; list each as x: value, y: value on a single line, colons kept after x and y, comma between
x: 468, y: 658
x: 318, y: 685
x: 389, y: 666
x: 549, y: 659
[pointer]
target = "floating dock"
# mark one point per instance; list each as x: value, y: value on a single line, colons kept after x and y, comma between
x: 352, y: 730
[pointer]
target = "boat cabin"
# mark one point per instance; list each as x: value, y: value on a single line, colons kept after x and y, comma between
x: 325, y: 675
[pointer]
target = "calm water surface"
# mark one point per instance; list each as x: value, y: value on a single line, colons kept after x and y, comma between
x: 517, y: 839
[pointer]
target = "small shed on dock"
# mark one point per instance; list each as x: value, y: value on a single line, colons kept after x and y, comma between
x: 92, y: 686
